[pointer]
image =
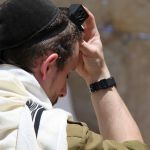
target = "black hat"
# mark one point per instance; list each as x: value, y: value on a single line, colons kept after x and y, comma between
x: 23, y: 20
x: 20, y: 20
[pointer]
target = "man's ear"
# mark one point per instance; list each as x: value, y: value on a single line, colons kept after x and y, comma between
x: 48, y: 64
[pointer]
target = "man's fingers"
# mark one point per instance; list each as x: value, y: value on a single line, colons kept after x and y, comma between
x: 90, y: 28
x: 84, y: 48
x: 87, y: 49
x: 90, y: 22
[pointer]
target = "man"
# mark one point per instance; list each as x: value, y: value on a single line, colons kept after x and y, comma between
x: 39, y: 47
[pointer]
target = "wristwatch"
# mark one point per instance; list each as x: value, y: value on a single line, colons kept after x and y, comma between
x: 102, y: 84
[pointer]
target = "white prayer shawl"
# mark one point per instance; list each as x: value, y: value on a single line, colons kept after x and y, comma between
x: 16, y: 125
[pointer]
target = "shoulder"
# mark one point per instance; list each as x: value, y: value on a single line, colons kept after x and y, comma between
x: 76, y: 128
x: 79, y: 136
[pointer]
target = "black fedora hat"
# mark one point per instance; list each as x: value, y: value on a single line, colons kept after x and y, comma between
x: 20, y: 20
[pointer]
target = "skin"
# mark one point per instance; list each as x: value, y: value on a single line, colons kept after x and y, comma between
x: 53, y: 80
x: 114, y: 119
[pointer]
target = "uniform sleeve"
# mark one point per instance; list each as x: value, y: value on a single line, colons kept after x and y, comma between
x: 81, y: 138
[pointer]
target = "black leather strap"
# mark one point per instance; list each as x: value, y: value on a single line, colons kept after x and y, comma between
x: 102, y: 84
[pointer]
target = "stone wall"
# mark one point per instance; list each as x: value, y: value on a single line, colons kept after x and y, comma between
x: 125, y: 31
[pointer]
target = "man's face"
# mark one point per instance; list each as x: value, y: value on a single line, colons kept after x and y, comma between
x: 57, y: 84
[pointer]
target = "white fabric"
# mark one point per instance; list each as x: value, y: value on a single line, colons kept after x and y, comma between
x: 16, y: 127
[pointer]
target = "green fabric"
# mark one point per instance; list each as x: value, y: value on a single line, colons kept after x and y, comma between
x: 135, y: 145
x: 81, y: 138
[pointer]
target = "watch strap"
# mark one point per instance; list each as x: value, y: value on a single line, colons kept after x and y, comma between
x: 102, y: 84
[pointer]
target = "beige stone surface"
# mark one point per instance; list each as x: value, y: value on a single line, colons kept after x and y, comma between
x: 134, y: 78
x: 130, y: 15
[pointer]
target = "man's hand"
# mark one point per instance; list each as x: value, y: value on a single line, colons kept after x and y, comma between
x: 91, y: 66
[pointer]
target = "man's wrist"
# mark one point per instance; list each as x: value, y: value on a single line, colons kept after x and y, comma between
x: 103, y: 75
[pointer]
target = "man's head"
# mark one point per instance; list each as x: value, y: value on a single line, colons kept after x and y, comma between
x: 48, y: 48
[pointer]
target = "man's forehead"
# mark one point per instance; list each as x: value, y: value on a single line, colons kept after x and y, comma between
x: 73, y: 61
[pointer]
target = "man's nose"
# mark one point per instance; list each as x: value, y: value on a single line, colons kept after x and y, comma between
x: 63, y: 91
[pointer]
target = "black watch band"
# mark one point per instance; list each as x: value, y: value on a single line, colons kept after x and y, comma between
x: 102, y: 84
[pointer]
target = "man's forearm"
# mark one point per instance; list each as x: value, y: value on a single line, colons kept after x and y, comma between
x: 115, y: 121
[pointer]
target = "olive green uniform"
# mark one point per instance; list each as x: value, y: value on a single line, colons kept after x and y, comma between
x: 81, y: 138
